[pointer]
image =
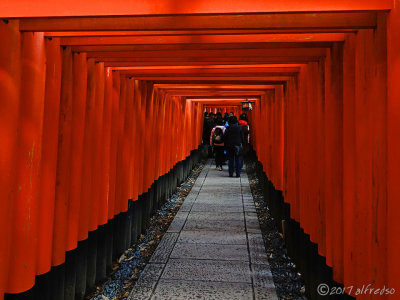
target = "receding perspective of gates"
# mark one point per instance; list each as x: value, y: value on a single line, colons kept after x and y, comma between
x: 101, y: 117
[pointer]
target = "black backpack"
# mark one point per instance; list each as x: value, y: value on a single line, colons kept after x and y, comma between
x: 218, y: 136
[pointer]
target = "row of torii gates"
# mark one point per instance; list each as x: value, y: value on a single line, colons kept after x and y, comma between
x: 101, y: 99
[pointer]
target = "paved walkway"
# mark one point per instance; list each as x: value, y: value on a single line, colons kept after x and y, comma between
x: 213, y: 249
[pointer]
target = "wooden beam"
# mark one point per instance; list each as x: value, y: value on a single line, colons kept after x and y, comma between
x: 234, y: 88
x: 205, y: 46
x: 198, y: 54
x: 220, y: 81
x: 273, y: 21
x: 208, y: 86
x: 213, y: 99
x: 186, y: 32
x: 212, y: 78
x: 213, y: 94
x: 213, y: 71
x: 201, y: 39
x: 223, y: 100
x: 294, y: 67
x: 134, y: 63
x: 46, y: 8
x: 217, y: 94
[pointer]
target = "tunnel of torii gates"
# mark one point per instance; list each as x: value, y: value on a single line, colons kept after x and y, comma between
x: 101, y: 111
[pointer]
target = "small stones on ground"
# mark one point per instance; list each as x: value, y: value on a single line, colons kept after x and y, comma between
x: 286, y: 278
x: 130, y: 265
x: 127, y: 285
x: 135, y: 273
x: 126, y: 294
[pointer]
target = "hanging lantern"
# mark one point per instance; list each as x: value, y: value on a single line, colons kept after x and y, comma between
x: 246, y: 105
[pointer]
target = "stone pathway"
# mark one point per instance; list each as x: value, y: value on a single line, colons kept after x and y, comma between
x: 213, y: 249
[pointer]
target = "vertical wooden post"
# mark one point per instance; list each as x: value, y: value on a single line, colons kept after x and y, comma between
x: 79, y: 90
x: 120, y: 150
x: 363, y: 201
x: 393, y: 110
x: 114, y: 143
x: 10, y: 76
x: 128, y: 144
x: 25, y: 219
x: 334, y: 163
x: 49, y: 154
x: 99, y: 211
x: 107, y: 137
x: 136, y: 124
x: 63, y: 162
x: 319, y: 153
x: 88, y: 150
x: 349, y: 157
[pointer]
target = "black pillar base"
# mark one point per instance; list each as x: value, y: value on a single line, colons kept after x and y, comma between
x: 300, y: 248
x: 93, y: 258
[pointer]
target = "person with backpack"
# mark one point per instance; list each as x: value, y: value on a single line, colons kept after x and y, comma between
x: 217, y: 141
x: 209, y: 124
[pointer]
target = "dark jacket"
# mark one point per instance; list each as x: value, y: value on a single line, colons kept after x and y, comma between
x: 233, y: 136
x: 208, y: 126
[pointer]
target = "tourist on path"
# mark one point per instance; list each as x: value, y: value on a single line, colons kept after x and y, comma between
x: 234, y: 145
x: 217, y: 140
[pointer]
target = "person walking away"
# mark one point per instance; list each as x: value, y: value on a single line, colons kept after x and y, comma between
x: 246, y: 132
x: 209, y: 125
x: 226, y: 117
x: 234, y: 145
x: 217, y: 140
x: 206, y: 133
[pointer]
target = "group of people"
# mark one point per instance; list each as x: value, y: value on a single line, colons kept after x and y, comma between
x: 228, y: 138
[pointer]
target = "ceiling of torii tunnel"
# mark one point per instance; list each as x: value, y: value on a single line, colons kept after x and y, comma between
x: 199, y: 42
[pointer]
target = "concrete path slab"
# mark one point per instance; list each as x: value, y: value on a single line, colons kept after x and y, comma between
x: 207, y: 270
x: 228, y: 237
x: 214, y: 225
x: 210, y: 251
x: 213, y: 249
x: 217, y: 216
x: 183, y: 290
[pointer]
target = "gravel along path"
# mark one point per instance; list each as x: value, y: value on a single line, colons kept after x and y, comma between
x: 286, y: 277
x: 130, y: 265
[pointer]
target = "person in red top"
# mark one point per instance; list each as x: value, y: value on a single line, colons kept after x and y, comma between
x: 246, y: 132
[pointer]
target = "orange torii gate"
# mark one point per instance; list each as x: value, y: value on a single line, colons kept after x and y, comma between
x: 81, y: 83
